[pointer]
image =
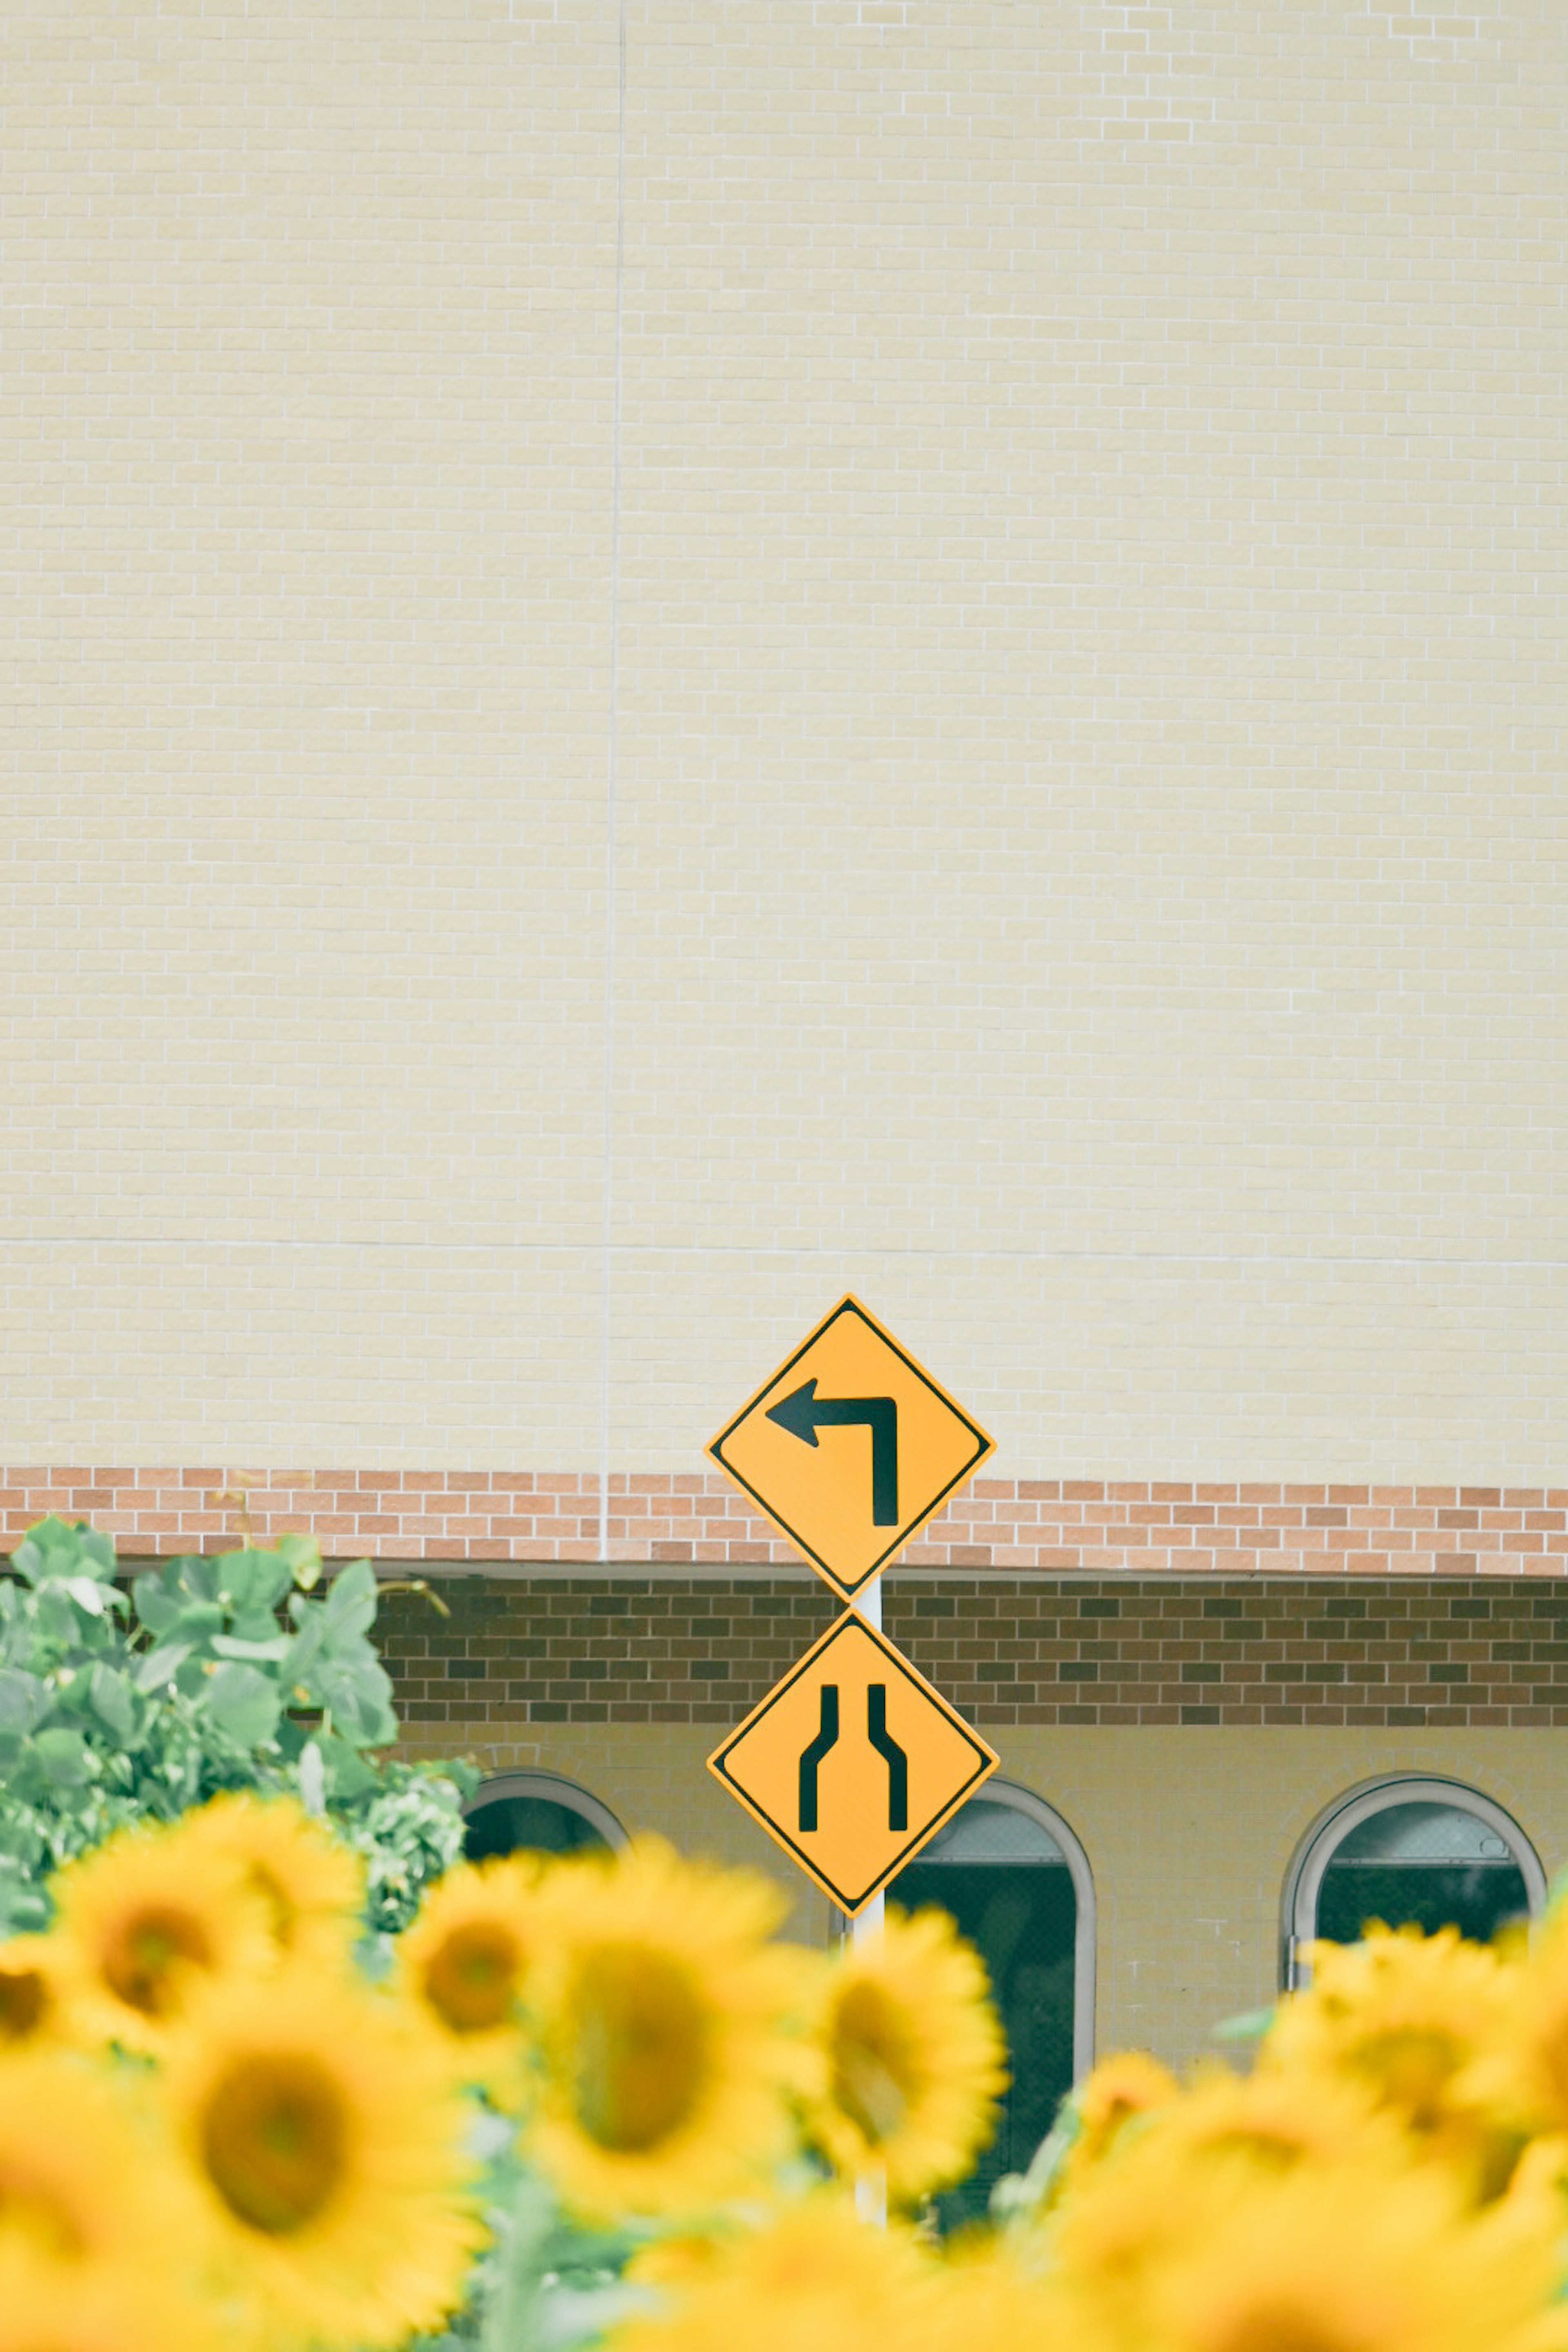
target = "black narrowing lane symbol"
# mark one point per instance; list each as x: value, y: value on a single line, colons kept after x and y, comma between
x: 892, y: 1754
x: 810, y: 1757
x: 803, y: 1415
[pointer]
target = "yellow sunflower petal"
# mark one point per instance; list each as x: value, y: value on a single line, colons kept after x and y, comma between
x: 97, y: 2243
x: 312, y: 1885
x: 326, y: 2142
x: 913, y: 2057
x: 815, y: 2279
x: 1408, y: 2018
x: 146, y: 1927
x: 1318, y: 2264
x: 665, y: 2022
x: 466, y: 1960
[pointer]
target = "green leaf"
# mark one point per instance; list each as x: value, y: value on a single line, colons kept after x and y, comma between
x: 225, y: 1645
x: 24, y: 1700
x: 112, y: 1701
x: 360, y: 1696
x: 66, y: 1760
x: 306, y: 1647
x: 197, y: 1622
x: 253, y: 1580
x: 350, y: 1604
x: 303, y: 1555
x: 156, y: 1606
x: 158, y: 1669
x: 242, y: 1703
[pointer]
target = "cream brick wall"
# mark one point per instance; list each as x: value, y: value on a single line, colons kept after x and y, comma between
x: 1011, y: 744
x: 1190, y: 1836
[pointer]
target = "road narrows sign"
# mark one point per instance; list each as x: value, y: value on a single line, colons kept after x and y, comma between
x: 850, y: 1447
x: 852, y: 1762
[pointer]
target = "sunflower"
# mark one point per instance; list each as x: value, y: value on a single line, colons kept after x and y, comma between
x: 311, y: 1883
x: 1194, y: 2159
x: 1526, y: 2073
x: 466, y: 1959
x: 913, y: 2057
x: 35, y: 1993
x: 990, y: 2302
x: 321, y: 2126
x: 1408, y: 2018
x: 813, y: 2275
x: 1332, y: 2263
x: 95, y: 2231
x: 145, y: 1925
x: 665, y: 2031
x: 1127, y: 2085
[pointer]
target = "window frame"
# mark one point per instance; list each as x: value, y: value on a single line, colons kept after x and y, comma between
x: 1304, y: 1879
x: 551, y: 1788
x: 1023, y: 1800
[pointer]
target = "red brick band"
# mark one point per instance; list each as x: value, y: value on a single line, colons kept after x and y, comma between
x: 1066, y: 1526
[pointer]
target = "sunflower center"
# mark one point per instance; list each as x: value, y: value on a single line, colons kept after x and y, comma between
x: 274, y: 2141
x: 640, y: 2038
x: 1412, y: 2066
x: 146, y: 1953
x: 24, y: 2002
x: 471, y: 1978
x: 1284, y: 2327
x: 876, y: 2074
x: 30, y: 2212
x: 282, y: 1913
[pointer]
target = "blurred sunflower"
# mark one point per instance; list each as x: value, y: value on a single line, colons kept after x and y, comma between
x: 466, y: 1960
x: 326, y: 2140
x: 311, y: 1884
x: 913, y: 2057
x: 664, y: 2020
x: 1192, y: 2161
x: 1330, y: 2262
x: 34, y: 1992
x: 988, y: 2301
x: 1527, y: 2071
x: 95, y: 2232
x: 145, y: 1927
x: 1121, y: 2088
x: 814, y: 2278
x: 1407, y: 2018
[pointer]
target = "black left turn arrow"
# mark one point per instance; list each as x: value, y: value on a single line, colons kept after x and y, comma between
x: 803, y: 1414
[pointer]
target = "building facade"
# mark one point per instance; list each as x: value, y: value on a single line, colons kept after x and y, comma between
x: 670, y: 656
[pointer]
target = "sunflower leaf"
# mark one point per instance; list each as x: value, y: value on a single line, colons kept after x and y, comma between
x: 66, y: 1760
x: 242, y: 1702
x: 114, y: 1701
x: 25, y: 1699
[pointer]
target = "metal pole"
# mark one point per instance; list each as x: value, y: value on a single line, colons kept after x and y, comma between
x: 871, y: 2193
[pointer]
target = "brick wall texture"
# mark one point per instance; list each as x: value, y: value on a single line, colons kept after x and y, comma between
x: 1124, y: 1528
x: 662, y: 657
x: 1380, y: 1653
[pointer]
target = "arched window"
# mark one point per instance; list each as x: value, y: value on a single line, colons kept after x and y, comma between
x: 1420, y: 1852
x: 1017, y: 1881
x: 537, y: 1813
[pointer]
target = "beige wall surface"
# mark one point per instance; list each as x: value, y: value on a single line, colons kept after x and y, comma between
x: 1190, y: 1836
x: 665, y: 660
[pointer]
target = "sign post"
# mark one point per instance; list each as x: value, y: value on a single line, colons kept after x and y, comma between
x: 853, y: 1762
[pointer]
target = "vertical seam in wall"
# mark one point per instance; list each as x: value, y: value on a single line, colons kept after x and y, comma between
x: 611, y: 784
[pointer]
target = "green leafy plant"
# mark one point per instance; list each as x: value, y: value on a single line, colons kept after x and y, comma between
x: 208, y: 1674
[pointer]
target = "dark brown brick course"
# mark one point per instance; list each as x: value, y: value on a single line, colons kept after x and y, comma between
x: 1395, y: 1652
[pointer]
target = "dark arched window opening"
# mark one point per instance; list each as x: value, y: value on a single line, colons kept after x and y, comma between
x: 537, y: 1813
x: 1015, y: 1881
x: 1409, y: 1852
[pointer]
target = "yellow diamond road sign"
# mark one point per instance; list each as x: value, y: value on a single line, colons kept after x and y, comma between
x: 849, y: 1447
x: 852, y: 1762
